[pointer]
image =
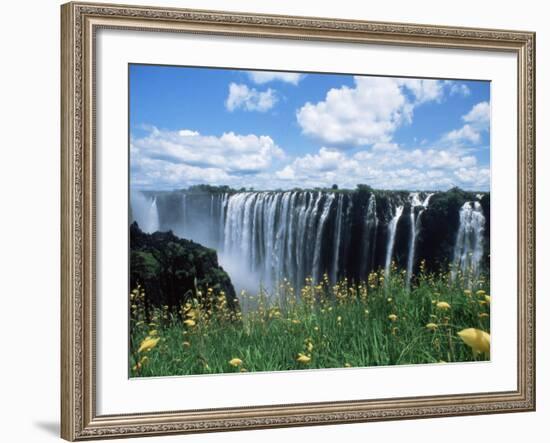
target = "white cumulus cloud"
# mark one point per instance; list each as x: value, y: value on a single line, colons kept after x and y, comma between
x: 164, y: 158
x: 387, y: 167
x: 424, y: 90
x: 261, y: 77
x: 368, y: 113
x: 466, y: 133
x: 477, y: 121
x: 456, y: 88
x: 242, y: 97
x: 479, y: 115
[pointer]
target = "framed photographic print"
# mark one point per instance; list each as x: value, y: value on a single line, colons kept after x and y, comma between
x: 282, y: 221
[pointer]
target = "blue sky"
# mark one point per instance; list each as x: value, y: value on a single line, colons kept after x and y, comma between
x: 276, y: 130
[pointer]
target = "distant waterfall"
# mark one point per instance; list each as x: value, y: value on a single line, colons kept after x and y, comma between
x: 319, y: 239
x: 392, y: 228
x: 370, y: 226
x: 221, y: 220
x: 468, y: 250
x: 337, y: 239
x: 184, y: 213
x: 145, y: 211
x: 280, y: 235
x: 415, y: 202
x: 266, y: 237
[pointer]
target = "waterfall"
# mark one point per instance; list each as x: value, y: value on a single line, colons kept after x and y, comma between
x: 221, y: 220
x: 184, y: 212
x: 468, y: 250
x: 290, y: 260
x: 343, y: 266
x: 368, y: 241
x: 392, y: 228
x: 266, y: 237
x: 319, y: 239
x: 414, y: 199
x: 304, y: 211
x: 337, y: 239
x: 145, y: 211
x: 282, y: 235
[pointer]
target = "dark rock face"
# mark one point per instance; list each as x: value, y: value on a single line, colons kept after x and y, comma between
x: 172, y: 270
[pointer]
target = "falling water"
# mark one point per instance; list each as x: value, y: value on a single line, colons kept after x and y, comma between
x: 221, y: 220
x: 414, y: 199
x: 319, y: 239
x: 144, y: 211
x: 282, y: 235
x: 184, y: 211
x: 337, y: 239
x: 370, y: 226
x: 392, y: 227
x: 468, y: 250
x: 267, y: 237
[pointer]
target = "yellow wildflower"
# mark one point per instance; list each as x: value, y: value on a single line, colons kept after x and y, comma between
x: 488, y: 298
x: 478, y: 340
x: 186, y: 344
x: 431, y: 326
x: 235, y: 362
x: 153, y: 333
x: 480, y: 292
x: 309, y: 346
x: 392, y: 317
x: 483, y: 315
x: 144, y: 359
x: 148, y: 344
x: 443, y: 305
x: 467, y: 292
x: 296, y: 321
x: 190, y: 323
x: 303, y: 358
x: 338, y: 319
x: 347, y: 365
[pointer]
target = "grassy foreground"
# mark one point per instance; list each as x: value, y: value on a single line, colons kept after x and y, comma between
x: 374, y: 323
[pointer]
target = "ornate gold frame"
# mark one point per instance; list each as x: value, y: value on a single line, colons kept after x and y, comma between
x: 80, y: 21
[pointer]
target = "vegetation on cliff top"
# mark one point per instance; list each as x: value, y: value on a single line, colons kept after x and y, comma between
x: 172, y: 270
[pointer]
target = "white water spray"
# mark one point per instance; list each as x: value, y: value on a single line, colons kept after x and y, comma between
x: 392, y: 228
x: 415, y: 202
x: 468, y: 250
x: 145, y: 211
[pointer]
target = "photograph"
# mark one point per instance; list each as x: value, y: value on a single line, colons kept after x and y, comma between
x: 283, y: 221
